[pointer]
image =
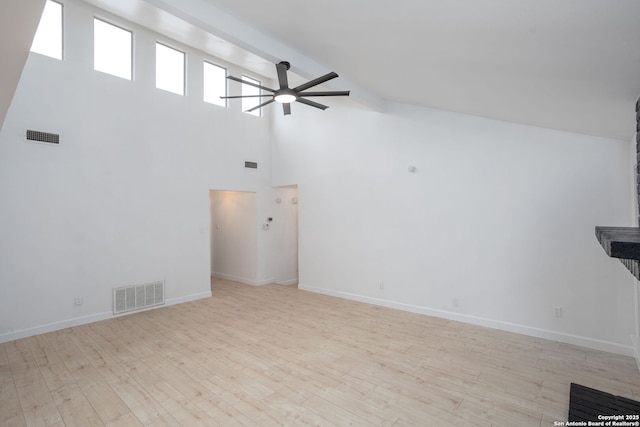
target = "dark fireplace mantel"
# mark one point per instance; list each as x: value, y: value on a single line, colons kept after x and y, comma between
x: 620, y: 242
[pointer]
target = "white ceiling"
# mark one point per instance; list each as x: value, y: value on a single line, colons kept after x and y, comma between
x: 572, y: 65
x: 566, y: 64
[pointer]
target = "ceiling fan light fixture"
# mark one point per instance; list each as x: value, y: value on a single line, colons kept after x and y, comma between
x: 285, y: 98
x: 286, y: 95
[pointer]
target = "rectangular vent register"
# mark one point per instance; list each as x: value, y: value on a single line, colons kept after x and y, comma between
x: 36, y: 135
x: 131, y: 298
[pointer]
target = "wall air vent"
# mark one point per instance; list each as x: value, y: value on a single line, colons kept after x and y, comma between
x: 130, y: 298
x: 251, y: 165
x: 36, y: 135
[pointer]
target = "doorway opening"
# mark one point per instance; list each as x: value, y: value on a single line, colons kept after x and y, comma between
x: 234, y: 236
x: 254, y: 236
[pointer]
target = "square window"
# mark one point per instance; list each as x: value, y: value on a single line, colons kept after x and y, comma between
x: 215, y: 84
x: 112, y: 49
x: 169, y: 69
x: 48, y: 38
x: 249, y: 103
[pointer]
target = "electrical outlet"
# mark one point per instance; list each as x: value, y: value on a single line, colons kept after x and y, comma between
x: 77, y: 301
x: 455, y: 302
x: 557, y: 311
x: 381, y: 285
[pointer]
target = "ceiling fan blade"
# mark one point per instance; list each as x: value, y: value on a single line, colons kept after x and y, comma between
x: 239, y: 80
x: 311, y: 103
x: 259, y: 106
x: 281, y: 68
x: 287, y: 109
x: 316, y: 82
x: 327, y: 93
x: 246, y: 96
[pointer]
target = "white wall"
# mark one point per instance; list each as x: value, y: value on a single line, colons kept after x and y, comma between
x: 124, y: 198
x: 284, y: 235
x: 498, y: 218
x: 633, y: 165
x: 495, y: 227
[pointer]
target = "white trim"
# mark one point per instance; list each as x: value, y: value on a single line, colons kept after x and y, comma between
x: 242, y: 279
x: 55, y: 326
x: 187, y: 298
x: 596, y: 344
x: 77, y: 321
x: 288, y: 282
x: 635, y: 340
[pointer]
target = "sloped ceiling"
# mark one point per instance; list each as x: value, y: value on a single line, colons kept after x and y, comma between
x: 571, y: 65
x: 18, y: 22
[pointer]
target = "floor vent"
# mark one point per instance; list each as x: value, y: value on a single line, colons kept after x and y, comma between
x: 36, y: 135
x: 130, y: 298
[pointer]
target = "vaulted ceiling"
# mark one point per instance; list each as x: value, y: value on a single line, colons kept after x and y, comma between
x: 566, y: 64
x: 572, y: 65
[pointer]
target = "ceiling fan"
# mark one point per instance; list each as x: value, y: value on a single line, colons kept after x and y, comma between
x: 286, y: 95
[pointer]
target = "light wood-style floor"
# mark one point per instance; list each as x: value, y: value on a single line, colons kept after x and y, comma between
x: 275, y: 355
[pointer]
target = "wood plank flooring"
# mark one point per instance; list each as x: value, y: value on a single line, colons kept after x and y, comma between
x: 275, y: 355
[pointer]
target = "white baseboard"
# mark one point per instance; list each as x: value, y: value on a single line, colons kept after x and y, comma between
x: 55, y: 326
x: 246, y: 281
x: 288, y: 282
x: 494, y: 324
x: 83, y: 320
x: 187, y: 298
x: 635, y: 340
